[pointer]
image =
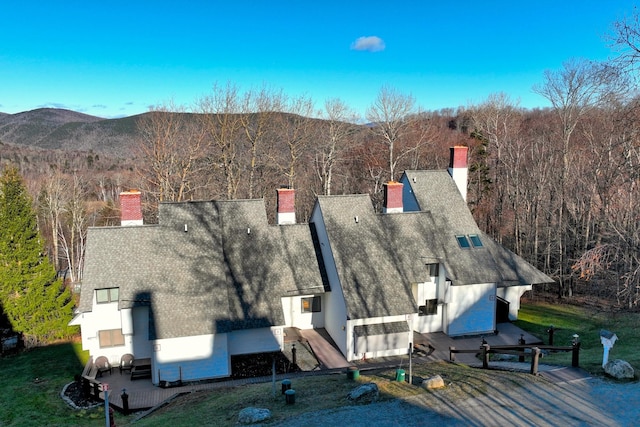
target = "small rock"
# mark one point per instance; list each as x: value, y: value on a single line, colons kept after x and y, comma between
x: 433, y: 383
x: 253, y: 415
x: 366, y: 393
x: 499, y: 357
x: 619, y: 369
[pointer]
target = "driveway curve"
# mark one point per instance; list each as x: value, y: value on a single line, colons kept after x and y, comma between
x: 586, y: 402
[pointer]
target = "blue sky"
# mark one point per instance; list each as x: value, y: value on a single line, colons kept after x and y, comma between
x: 117, y: 58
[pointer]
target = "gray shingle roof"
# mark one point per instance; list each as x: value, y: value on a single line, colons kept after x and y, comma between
x: 436, y: 192
x: 381, y: 329
x: 378, y: 257
x: 228, y: 270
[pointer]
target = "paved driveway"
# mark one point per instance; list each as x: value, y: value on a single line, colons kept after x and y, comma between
x: 587, y: 402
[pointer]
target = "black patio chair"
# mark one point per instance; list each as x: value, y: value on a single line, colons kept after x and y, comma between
x: 126, y: 362
x: 103, y: 365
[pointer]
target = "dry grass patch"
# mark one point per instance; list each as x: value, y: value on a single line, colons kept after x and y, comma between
x: 326, y: 392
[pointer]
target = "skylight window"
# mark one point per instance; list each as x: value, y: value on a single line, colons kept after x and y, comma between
x: 463, y: 242
x: 475, y: 240
x: 469, y: 241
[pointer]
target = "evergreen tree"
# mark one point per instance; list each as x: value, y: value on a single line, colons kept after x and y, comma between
x: 35, y: 302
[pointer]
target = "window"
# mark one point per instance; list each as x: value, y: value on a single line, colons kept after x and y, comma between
x: 104, y: 296
x: 111, y: 338
x: 429, y: 309
x: 463, y: 242
x: 311, y: 304
x: 434, y: 270
x: 475, y: 240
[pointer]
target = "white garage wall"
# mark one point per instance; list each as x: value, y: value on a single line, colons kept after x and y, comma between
x: 472, y: 310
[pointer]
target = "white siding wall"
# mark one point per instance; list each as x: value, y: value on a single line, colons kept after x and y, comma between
x: 335, y: 308
x: 103, y: 317
x: 382, y: 345
x: 429, y: 323
x: 126, y: 318
x: 472, y: 309
x: 293, y: 315
x: 248, y: 341
x: 141, y: 347
x: 513, y: 295
x: 190, y: 358
x: 133, y: 322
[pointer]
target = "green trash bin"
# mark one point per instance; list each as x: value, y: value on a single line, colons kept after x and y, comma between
x: 290, y: 396
x: 400, y: 375
x: 353, y: 373
x: 286, y: 385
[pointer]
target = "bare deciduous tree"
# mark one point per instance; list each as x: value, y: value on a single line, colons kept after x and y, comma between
x: 221, y: 120
x: 334, y: 140
x: 74, y: 233
x: 172, y: 150
x: 498, y: 122
x: 259, y: 109
x: 294, y: 128
x: 53, y: 201
x: 573, y: 91
x: 390, y: 119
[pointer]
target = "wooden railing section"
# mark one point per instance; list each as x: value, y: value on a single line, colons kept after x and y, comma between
x: 534, y: 352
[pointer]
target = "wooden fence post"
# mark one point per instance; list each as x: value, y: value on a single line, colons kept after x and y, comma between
x: 575, y: 356
x: 551, y: 331
x: 535, y: 355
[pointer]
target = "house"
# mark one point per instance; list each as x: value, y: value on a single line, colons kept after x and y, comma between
x: 207, y: 283
x: 213, y: 279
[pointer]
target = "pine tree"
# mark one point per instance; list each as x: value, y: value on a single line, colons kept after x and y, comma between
x: 35, y: 302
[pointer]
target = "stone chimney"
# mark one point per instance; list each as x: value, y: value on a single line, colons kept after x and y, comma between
x: 392, y: 197
x: 458, y: 168
x: 130, y: 208
x: 286, y: 206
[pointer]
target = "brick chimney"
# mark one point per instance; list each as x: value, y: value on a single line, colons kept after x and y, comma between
x: 286, y: 206
x: 458, y: 168
x: 392, y: 197
x: 130, y: 208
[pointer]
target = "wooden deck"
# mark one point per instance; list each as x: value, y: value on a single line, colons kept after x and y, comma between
x: 142, y: 394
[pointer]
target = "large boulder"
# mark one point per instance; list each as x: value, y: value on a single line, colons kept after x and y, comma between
x: 253, y: 415
x: 433, y: 383
x: 366, y: 393
x: 619, y: 369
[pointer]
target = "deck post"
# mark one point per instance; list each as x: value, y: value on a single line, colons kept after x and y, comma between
x: 125, y: 401
x: 107, y: 414
x: 521, y: 341
x: 575, y: 356
x: 410, y: 363
x: 452, y: 354
x: 294, y: 357
x: 86, y: 387
x: 485, y: 356
x: 273, y: 375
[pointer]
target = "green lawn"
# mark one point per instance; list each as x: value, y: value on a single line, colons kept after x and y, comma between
x: 32, y: 381
x: 569, y: 320
x: 31, y: 385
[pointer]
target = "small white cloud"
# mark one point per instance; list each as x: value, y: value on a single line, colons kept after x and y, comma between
x: 369, y: 43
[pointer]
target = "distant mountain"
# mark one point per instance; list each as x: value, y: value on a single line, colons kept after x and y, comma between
x: 59, y: 129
